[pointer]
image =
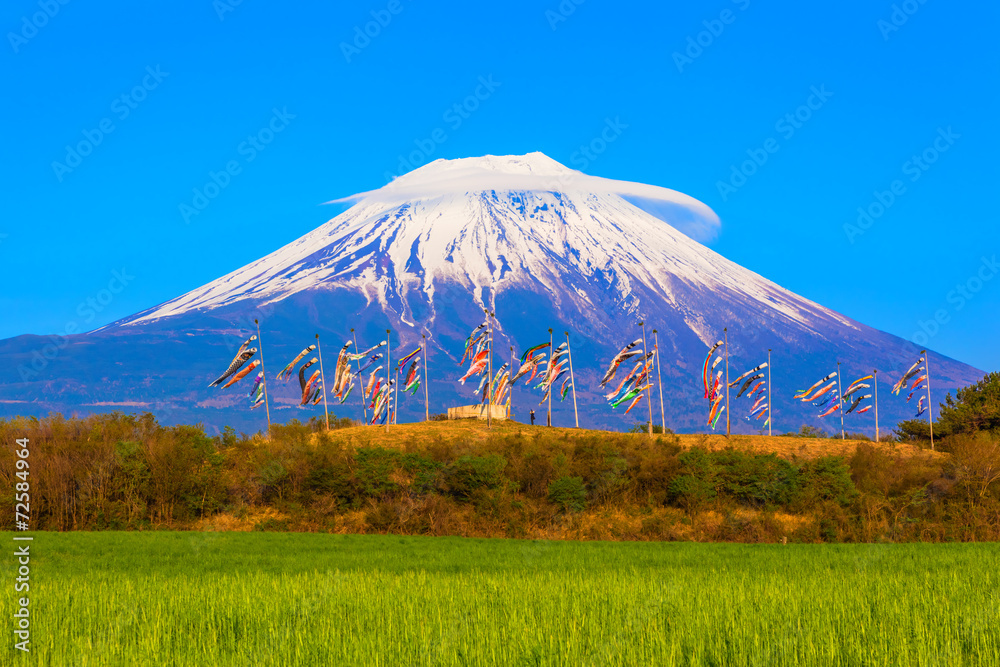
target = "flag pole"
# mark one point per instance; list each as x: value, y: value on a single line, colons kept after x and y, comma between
x: 395, y: 392
x: 388, y: 370
x: 551, y: 353
x: 875, y: 382
x: 770, y: 395
x: 489, y: 369
x: 659, y: 379
x: 728, y: 412
x: 267, y: 408
x: 510, y: 399
x: 649, y: 400
x: 427, y: 401
x: 361, y: 382
x: 569, y: 354
x: 840, y: 402
x: 930, y: 410
x: 322, y: 375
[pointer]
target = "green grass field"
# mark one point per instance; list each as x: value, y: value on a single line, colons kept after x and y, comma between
x: 313, y: 599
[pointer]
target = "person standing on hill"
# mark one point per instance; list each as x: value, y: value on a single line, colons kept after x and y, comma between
x: 532, y: 417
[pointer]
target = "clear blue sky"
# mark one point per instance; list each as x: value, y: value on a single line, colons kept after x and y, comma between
x: 554, y: 83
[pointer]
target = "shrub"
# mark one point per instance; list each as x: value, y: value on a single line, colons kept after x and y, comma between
x: 974, y: 408
x: 611, y: 479
x: 373, y: 468
x: 827, y: 478
x: 757, y: 480
x: 913, y: 430
x: 383, y: 517
x: 696, y: 482
x: 330, y: 478
x: 871, y: 469
x: 424, y: 470
x: 318, y: 424
x: 272, y: 474
x: 569, y: 493
x: 652, y: 472
x: 643, y: 427
x: 470, y: 473
x: 975, y: 464
x: 533, y: 473
x: 808, y: 432
x: 271, y: 525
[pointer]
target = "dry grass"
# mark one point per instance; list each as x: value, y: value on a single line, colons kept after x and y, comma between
x: 470, y: 431
x: 802, y: 448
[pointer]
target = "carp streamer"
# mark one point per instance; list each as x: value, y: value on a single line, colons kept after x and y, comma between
x: 618, y: 358
x: 632, y: 387
x: 242, y: 356
x: 288, y: 370
x: 913, y: 370
x: 704, y: 372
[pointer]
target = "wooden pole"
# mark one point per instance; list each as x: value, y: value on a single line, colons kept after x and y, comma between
x: 361, y: 381
x: 840, y: 401
x: 427, y: 401
x: 388, y: 370
x: 770, y: 395
x: 267, y: 407
x: 322, y: 376
x: 489, y: 369
x: 552, y: 351
x: 930, y: 410
x: 649, y: 400
x: 728, y: 412
x: 510, y: 412
x: 572, y: 381
x: 395, y: 392
x: 875, y: 382
x: 659, y: 379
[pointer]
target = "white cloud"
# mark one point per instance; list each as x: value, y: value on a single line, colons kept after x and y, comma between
x: 536, y: 172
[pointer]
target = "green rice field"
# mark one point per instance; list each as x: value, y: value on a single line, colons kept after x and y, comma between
x: 163, y: 598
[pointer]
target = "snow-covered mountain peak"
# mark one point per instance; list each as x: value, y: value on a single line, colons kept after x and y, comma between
x: 533, y: 164
x: 535, y: 172
x: 490, y: 224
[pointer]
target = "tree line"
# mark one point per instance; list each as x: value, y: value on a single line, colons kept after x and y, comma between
x: 118, y: 471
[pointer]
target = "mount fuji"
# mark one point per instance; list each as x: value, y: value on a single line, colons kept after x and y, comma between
x: 541, y: 245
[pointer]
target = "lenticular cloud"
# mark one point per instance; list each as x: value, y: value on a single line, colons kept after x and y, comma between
x: 536, y: 172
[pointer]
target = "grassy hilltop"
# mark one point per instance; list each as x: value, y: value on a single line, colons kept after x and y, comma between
x: 470, y: 431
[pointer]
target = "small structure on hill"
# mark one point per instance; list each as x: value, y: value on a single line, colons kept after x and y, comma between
x: 477, y: 412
